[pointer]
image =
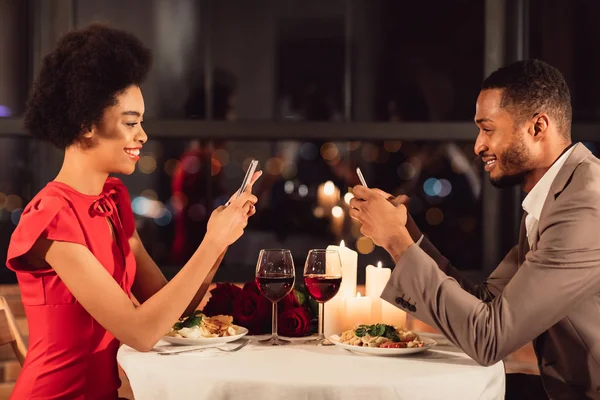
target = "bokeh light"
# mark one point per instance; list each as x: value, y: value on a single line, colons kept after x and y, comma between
x: 392, y: 146
x: 369, y: 152
x: 365, y: 245
x: 223, y: 156
x: 147, y: 164
x: 329, y: 188
x: 434, y: 216
x: 274, y: 166
x: 178, y: 201
x: 15, y: 215
x: 215, y: 167
x: 446, y: 188
x: 406, y: 171
x: 171, y: 166
x: 319, y: 212
x: 354, y: 145
x: 347, y: 197
x: 164, y: 219
x: 288, y: 187
x: 13, y: 202
x: 337, y: 212
x: 432, y: 187
x: 303, y: 190
x: 329, y: 151
x: 149, y: 194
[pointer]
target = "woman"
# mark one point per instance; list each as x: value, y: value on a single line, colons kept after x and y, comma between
x: 76, y: 252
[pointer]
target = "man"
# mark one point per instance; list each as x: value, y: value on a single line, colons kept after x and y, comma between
x: 546, y: 288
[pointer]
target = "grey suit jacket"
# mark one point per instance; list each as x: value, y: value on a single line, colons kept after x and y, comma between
x: 548, y: 294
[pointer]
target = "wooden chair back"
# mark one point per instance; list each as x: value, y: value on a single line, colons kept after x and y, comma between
x: 9, y: 332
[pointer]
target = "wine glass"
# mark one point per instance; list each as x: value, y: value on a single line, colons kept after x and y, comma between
x: 322, y: 278
x: 275, y: 277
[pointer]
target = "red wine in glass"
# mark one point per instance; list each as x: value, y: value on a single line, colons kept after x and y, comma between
x: 275, y: 287
x: 275, y: 279
x: 322, y: 278
x: 322, y: 288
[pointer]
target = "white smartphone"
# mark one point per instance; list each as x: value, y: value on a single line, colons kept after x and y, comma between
x: 361, y: 177
x: 249, y: 173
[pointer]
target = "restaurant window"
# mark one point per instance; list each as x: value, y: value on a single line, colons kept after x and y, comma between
x: 303, y: 197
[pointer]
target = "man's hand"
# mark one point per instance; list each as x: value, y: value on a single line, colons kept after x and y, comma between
x: 413, y: 229
x: 381, y: 220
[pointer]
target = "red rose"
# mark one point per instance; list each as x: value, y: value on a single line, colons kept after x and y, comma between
x: 264, y: 307
x: 252, y: 287
x: 218, y: 304
x: 221, y: 299
x: 245, y: 312
x: 293, y: 322
x: 290, y: 301
x: 228, y: 289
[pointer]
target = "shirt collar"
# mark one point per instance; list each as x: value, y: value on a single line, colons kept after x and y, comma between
x: 534, y: 201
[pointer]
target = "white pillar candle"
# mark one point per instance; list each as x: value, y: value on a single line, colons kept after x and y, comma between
x: 358, y: 311
x: 334, y: 323
x: 376, y: 279
x: 349, y: 259
x: 392, y: 315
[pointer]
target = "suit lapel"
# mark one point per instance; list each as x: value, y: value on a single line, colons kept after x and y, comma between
x: 580, y: 153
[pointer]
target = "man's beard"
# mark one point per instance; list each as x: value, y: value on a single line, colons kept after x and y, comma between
x: 516, y: 158
x: 509, y: 180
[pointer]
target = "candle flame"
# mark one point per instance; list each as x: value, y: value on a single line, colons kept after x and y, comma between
x: 342, y: 244
x: 337, y: 212
x: 379, y: 264
x: 329, y: 188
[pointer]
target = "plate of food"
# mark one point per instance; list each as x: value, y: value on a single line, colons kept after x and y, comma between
x: 198, y: 329
x: 382, y: 340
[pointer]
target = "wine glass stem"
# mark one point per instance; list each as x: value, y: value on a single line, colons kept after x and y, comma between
x: 321, y: 320
x: 274, y: 321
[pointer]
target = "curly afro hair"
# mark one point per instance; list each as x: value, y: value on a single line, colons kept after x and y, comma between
x: 80, y: 78
x: 533, y: 86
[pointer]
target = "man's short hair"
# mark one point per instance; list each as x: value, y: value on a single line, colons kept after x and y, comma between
x: 533, y: 86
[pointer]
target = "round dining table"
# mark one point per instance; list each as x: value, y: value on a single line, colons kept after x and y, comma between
x: 300, y: 371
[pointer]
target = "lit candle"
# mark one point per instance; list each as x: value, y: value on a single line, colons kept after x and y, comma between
x: 392, y: 315
x: 358, y: 310
x: 334, y: 316
x: 337, y: 222
x: 328, y: 195
x: 349, y: 260
x: 376, y: 279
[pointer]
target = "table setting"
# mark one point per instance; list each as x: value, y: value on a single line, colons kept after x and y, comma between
x: 361, y: 346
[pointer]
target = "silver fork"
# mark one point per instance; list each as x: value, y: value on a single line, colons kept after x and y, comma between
x: 237, y: 348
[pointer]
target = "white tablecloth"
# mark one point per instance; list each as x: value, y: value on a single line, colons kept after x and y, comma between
x: 307, y: 372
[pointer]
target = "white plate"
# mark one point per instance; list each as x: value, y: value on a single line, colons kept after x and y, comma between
x: 241, y: 331
x: 386, y: 352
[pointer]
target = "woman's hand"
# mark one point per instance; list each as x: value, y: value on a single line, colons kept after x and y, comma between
x: 227, y: 223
